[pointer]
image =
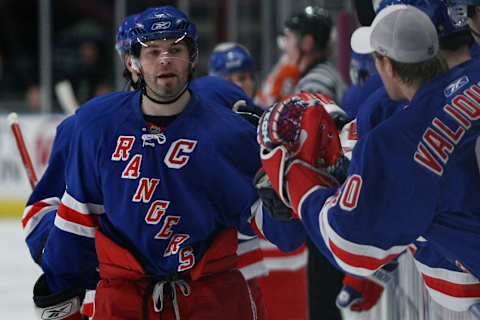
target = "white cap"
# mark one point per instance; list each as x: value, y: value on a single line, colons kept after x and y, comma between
x: 401, y: 32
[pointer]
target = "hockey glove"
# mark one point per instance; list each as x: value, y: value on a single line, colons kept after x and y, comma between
x: 339, y: 117
x: 250, y: 113
x: 362, y: 294
x: 302, y: 125
x: 299, y: 137
x: 276, y: 208
x: 358, y: 294
x: 64, y: 305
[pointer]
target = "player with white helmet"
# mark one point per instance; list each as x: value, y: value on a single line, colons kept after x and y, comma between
x: 402, y: 170
x: 454, y: 43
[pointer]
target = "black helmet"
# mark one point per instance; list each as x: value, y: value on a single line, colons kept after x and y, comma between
x: 312, y: 20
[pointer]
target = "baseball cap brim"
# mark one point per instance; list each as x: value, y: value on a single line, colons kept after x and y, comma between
x: 360, y: 40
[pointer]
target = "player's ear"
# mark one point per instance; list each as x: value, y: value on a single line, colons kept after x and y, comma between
x: 388, y: 67
x: 134, y: 64
x: 128, y: 63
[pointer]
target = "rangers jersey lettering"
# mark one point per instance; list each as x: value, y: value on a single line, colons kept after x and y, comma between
x: 163, y: 200
x: 414, y: 175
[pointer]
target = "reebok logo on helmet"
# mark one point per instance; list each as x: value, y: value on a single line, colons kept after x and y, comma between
x: 162, y: 25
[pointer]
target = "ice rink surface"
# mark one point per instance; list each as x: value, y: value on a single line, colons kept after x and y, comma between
x: 18, y: 273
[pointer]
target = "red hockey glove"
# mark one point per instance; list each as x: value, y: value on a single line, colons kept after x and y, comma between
x: 302, y: 125
x: 358, y: 294
x: 64, y: 305
x: 362, y: 294
x: 300, y: 129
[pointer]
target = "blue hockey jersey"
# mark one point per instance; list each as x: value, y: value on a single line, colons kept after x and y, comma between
x: 413, y: 176
x: 162, y: 196
x: 357, y: 94
x: 43, y: 202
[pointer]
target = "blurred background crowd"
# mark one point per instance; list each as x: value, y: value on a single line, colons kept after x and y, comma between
x: 47, y: 42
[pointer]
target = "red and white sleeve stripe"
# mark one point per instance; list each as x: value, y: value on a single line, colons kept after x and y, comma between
x: 456, y: 290
x: 33, y: 214
x: 250, y: 259
x: 355, y: 258
x: 276, y: 260
x: 77, y: 217
x: 257, y: 218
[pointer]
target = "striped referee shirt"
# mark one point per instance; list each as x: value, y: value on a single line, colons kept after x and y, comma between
x: 322, y: 77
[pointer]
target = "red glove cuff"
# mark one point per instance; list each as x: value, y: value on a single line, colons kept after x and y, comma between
x: 302, y: 178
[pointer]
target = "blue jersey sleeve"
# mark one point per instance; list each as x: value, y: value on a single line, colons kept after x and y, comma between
x: 45, y: 197
x: 241, y: 165
x: 368, y: 221
x: 357, y: 94
x: 69, y: 259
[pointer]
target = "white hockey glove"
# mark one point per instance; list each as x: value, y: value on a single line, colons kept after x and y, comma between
x: 64, y: 305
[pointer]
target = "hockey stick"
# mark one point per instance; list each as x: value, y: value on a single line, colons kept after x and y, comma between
x: 27, y: 162
x: 66, y: 96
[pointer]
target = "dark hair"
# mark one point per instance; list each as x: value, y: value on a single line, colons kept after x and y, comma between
x: 419, y: 72
x: 313, y: 21
x: 457, y: 40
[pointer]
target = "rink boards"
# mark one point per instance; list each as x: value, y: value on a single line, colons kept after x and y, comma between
x: 38, y: 132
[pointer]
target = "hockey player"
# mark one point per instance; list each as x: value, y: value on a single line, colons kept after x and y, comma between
x: 435, y: 146
x: 454, y: 43
x: 232, y: 61
x: 281, y: 275
x: 42, y: 205
x: 307, y: 39
x: 122, y: 45
x: 365, y: 80
x: 466, y: 12
x: 159, y: 226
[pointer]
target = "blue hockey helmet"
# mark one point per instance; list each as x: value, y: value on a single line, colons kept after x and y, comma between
x: 437, y: 10
x: 122, y: 43
x: 165, y: 22
x: 229, y: 57
x: 362, y: 66
x: 459, y: 10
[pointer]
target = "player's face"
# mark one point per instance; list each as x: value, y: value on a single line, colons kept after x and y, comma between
x: 244, y: 80
x: 165, y: 66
